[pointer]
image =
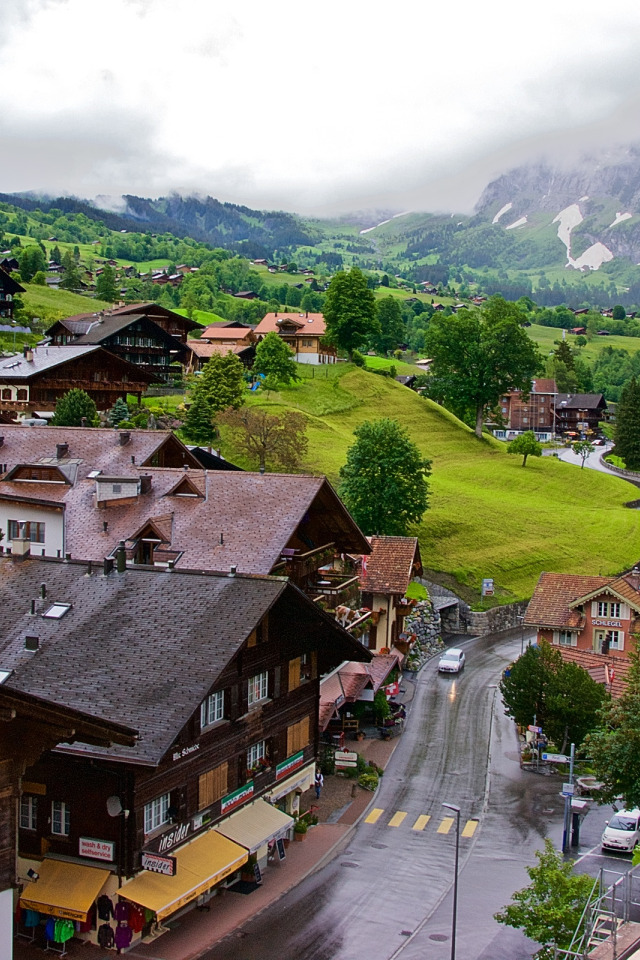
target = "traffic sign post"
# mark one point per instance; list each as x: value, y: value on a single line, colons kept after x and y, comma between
x: 556, y: 758
x: 567, y: 793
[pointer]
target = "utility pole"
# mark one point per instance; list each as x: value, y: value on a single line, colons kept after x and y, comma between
x: 568, y: 797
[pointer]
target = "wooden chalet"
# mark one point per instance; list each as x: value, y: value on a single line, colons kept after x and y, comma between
x: 133, y: 337
x: 386, y: 575
x: 35, y: 381
x: 221, y: 338
x: 8, y: 289
x: 303, y: 332
x: 231, y: 665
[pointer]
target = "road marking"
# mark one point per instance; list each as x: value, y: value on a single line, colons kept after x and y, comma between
x: 421, y: 822
x: 397, y: 819
x: 470, y: 828
x: 445, y: 825
x: 374, y: 816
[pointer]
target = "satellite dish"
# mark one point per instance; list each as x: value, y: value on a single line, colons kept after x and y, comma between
x: 114, y: 806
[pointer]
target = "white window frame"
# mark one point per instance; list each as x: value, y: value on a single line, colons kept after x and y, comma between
x: 617, y: 639
x: 614, y: 610
x: 60, y: 818
x: 565, y: 638
x: 212, y: 709
x: 156, y: 813
x: 28, y: 812
x: 256, y: 753
x: 258, y: 688
x: 602, y: 608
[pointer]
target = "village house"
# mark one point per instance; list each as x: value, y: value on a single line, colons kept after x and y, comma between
x: 579, y: 414
x: 591, y: 620
x: 386, y: 574
x: 303, y: 332
x: 8, y: 289
x: 535, y: 411
x: 222, y: 338
x: 34, y: 381
x: 232, y: 666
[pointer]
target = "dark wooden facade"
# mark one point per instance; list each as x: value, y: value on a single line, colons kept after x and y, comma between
x: 8, y: 289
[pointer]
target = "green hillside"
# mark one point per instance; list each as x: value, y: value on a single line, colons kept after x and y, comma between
x: 489, y: 517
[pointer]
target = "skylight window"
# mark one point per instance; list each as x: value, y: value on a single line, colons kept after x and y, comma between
x: 57, y: 611
x: 4, y: 675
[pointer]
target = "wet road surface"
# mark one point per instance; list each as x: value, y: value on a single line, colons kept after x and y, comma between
x: 387, y: 894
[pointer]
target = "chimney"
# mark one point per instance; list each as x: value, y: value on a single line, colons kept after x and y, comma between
x: 121, y: 558
x: 125, y: 436
x: 62, y: 449
x: 107, y: 566
x: 21, y: 545
x: 133, y: 460
x: 145, y: 483
x: 43, y: 591
x: 233, y: 570
x: 27, y: 353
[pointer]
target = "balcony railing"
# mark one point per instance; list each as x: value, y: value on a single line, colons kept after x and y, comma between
x: 297, y: 565
x: 335, y: 588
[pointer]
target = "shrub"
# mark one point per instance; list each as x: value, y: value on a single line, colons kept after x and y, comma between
x: 369, y: 781
x: 358, y: 359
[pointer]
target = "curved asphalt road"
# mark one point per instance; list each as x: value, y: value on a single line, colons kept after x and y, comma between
x: 388, y: 894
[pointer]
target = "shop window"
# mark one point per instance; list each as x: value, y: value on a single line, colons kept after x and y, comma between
x: 298, y: 736
x: 258, y: 688
x: 60, y: 819
x: 212, y: 785
x: 212, y: 709
x: 156, y: 813
x: 28, y: 812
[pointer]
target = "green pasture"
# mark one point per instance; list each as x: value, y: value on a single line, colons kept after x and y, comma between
x: 53, y: 305
x: 545, y: 337
x: 489, y: 517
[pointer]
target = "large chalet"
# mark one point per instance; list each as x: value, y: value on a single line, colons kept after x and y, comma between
x: 8, y: 289
x: 303, y: 332
x: 219, y: 675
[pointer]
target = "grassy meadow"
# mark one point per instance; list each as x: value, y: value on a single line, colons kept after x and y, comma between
x: 488, y: 517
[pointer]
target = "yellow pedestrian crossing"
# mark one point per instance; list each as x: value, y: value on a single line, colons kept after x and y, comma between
x: 445, y: 825
x: 421, y: 822
x: 397, y: 819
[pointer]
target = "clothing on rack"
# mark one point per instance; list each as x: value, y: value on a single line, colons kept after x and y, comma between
x: 31, y: 918
x: 123, y: 936
x: 50, y: 929
x: 105, y: 936
x: 121, y: 911
x: 63, y: 930
x: 105, y: 907
x: 136, y: 918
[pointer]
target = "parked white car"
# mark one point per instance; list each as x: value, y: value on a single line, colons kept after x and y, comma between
x: 451, y: 661
x: 622, y: 832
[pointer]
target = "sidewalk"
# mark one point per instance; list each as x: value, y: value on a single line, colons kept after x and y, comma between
x: 340, y: 807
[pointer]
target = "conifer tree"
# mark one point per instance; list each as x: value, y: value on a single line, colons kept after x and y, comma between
x: 118, y: 413
x: 73, y: 408
x: 627, y: 431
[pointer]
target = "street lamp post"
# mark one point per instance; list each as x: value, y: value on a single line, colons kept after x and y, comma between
x: 456, y: 810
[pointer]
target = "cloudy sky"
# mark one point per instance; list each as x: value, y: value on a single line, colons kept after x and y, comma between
x: 319, y: 108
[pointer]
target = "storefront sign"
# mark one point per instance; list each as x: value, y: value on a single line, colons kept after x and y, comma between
x: 233, y: 800
x: 165, y: 865
x: 288, y: 766
x: 606, y: 623
x: 170, y: 840
x: 185, y: 752
x: 345, y: 758
x: 96, y: 849
x: 487, y: 587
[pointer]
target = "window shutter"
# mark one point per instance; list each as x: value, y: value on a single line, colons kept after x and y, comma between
x: 594, y: 608
x: 203, y: 714
x: 294, y: 674
x: 574, y: 639
x: 624, y: 611
x: 556, y: 636
x: 277, y: 673
x: 234, y: 707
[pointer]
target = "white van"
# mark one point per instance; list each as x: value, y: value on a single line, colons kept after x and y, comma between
x: 622, y: 832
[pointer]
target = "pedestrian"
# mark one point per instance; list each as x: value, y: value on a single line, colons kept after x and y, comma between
x: 318, y: 783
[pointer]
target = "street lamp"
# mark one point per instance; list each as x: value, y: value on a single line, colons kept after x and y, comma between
x: 456, y: 810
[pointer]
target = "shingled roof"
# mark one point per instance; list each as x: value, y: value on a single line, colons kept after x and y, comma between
x: 144, y: 646
x: 550, y: 605
x: 390, y: 568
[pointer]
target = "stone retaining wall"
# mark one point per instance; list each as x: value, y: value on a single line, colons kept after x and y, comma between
x: 494, y: 620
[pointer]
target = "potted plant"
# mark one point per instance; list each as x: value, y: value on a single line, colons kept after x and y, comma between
x: 299, y: 830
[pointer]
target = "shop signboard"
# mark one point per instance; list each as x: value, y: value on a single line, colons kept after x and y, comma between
x: 289, y: 765
x: 257, y: 873
x: 167, y: 866
x: 281, y: 848
x: 96, y: 849
x: 345, y: 758
x: 487, y: 587
x: 233, y: 800
x: 556, y: 758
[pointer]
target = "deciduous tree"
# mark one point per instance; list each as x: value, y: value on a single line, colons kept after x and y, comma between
x: 526, y: 445
x: 106, y: 285
x: 73, y: 408
x: 550, y: 908
x: 582, y: 449
x: 478, y: 355
x: 392, y: 331
x: 385, y: 479
x: 266, y: 439
x: 350, y: 311
x: 274, y: 359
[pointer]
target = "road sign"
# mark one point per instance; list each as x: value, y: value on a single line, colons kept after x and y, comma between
x: 533, y: 729
x: 556, y: 758
x: 345, y: 758
x: 568, y: 789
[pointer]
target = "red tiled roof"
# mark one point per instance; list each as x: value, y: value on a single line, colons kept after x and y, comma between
x: 389, y: 569
x: 218, y: 331
x: 550, y: 604
x: 203, y: 348
x: 307, y: 323
x: 595, y: 664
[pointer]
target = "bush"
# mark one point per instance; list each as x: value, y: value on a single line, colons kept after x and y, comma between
x: 357, y: 359
x: 369, y: 781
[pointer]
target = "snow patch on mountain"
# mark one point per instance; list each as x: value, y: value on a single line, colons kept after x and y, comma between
x: 619, y: 218
x: 502, y: 211
x: 517, y: 223
x: 567, y: 219
x: 592, y: 258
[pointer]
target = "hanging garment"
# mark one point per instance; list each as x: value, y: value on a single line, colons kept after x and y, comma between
x: 105, y: 936
x: 123, y: 937
x: 50, y: 929
x: 65, y: 929
x: 121, y: 911
x: 105, y: 907
x: 31, y: 918
x: 136, y: 918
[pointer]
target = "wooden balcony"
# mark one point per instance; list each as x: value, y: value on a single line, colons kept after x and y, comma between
x: 298, y: 566
x: 335, y: 588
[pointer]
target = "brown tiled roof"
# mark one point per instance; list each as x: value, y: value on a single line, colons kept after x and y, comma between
x: 311, y: 323
x: 144, y: 646
x: 220, y: 332
x: 550, y: 604
x: 205, y: 349
x: 346, y: 684
x: 389, y: 569
x: 595, y: 664
x: 541, y: 385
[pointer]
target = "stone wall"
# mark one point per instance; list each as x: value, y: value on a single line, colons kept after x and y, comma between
x: 494, y: 620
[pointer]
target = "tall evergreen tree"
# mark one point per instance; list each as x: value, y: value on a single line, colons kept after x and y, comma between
x: 106, y: 285
x: 118, y: 412
x: 627, y: 430
x: 73, y: 408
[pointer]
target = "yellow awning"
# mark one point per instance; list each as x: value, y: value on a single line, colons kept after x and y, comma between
x: 255, y: 825
x: 199, y: 865
x: 64, y: 889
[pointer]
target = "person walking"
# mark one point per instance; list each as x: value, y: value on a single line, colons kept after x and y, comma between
x: 318, y: 783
